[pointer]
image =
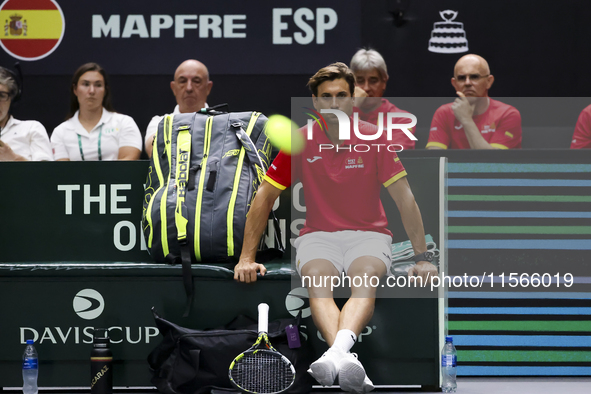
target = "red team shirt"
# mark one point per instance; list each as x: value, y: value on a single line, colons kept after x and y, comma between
x: 341, y: 189
x: 500, y: 125
x: 582, y: 135
x: 398, y: 137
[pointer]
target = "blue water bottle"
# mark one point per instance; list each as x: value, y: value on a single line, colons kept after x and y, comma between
x: 449, y: 358
x: 30, y: 369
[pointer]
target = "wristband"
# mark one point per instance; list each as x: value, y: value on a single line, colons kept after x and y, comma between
x: 425, y: 256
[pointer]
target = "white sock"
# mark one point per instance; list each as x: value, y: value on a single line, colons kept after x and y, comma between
x: 344, y: 340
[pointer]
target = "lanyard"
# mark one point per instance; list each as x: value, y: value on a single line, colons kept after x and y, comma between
x: 100, y: 155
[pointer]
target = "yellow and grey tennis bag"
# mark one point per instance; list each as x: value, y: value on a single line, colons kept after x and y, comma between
x: 205, y: 170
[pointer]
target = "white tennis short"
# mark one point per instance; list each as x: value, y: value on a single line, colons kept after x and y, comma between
x: 341, y: 248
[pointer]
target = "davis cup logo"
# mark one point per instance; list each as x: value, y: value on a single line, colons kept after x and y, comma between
x: 32, y: 28
x: 296, y: 301
x: 89, y: 304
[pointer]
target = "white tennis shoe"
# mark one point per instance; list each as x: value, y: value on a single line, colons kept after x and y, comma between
x: 326, y: 368
x: 366, y: 387
x: 352, y: 374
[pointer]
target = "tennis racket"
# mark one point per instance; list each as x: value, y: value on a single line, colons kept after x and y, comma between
x: 262, y: 369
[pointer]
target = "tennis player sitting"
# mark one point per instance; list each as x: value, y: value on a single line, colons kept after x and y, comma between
x: 346, y: 226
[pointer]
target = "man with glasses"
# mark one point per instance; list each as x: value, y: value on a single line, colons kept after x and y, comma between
x: 371, y: 76
x: 20, y: 140
x: 474, y: 120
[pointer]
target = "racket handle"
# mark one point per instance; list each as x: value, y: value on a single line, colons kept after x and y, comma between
x: 263, y: 317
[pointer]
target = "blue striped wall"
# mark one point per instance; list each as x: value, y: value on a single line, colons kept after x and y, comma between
x: 522, y: 218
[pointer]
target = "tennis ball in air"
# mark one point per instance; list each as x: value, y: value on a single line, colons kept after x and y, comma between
x: 284, y: 134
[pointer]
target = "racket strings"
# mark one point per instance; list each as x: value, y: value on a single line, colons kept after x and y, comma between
x: 262, y: 372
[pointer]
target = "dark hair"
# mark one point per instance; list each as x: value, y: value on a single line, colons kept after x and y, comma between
x: 330, y: 73
x: 74, y: 104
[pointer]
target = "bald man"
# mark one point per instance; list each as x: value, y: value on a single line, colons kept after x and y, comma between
x: 474, y: 120
x: 190, y: 87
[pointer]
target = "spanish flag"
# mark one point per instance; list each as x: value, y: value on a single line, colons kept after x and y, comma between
x: 32, y: 28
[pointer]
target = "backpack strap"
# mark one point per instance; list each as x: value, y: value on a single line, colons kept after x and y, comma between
x: 183, y: 156
x: 250, y: 149
x: 265, y: 255
x: 259, y: 169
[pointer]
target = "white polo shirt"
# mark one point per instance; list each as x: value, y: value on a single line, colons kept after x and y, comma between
x: 27, y: 138
x: 153, y: 125
x: 70, y: 140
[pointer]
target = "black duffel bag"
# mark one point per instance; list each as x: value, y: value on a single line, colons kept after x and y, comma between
x: 189, y: 361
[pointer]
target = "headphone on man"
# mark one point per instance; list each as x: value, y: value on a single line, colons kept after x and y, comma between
x: 18, y: 79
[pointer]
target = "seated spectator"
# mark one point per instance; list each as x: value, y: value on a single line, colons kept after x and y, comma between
x: 371, y: 76
x: 582, y: 134
x: 20, y: 140
x: 190, y: 87
x: 474, y: 120
x: 93, y: 130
